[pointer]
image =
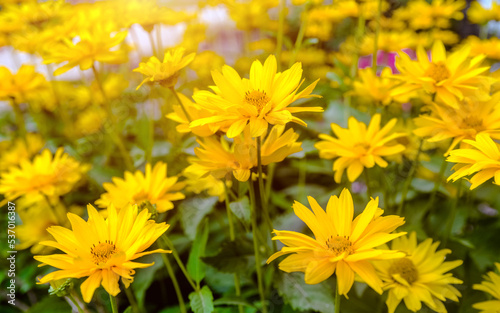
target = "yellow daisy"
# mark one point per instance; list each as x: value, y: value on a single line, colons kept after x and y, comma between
x: 165, y: 73
x: 259, y: 101
x: 101, y: 249
x: 22, y: 84
x: 341, y: 245
x: 376, y: 89
x: 449, y: 78
x: 19, y: 149
x: 197, y: 181
x: 195, y: 112
x: 420, y: 276
x: 46, y: 174
x: 483, y: 158
x: 359, y: 147
x: 491, y: 285
x: 471, y: 118
x: 153, y: 186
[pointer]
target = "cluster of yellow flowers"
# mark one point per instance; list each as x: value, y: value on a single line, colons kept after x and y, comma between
x: 223, y: 129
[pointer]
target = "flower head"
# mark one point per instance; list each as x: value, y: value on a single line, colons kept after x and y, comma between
x: 374, y: 88
x: 491, y: 285
x: 259, y: 101
x: 341, y: 244
x: 101, y: 249
x: 358, y: 147
x: 21, y: 85
x: 450, y: 78
x: 19, y: 149
x: 419, y: 277
x: 483, y: 157
x: 165, y: 73
x: 46, y: 174
x: 153, y: 186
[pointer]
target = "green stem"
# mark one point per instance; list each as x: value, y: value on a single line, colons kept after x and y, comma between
x: 132, y: 301
x: 375, y: 40
x: 256, y: 245
x: 279, y: 41
x: 300, y: 36
x: 114, y: 305
x: 178, y: 292
x: 269, y: 180
x: 337, y: 299
x: 70, y: 296
x: 453, y: 214
x: 182, y: 105
x: 170, y: 245
x: 409, y: 178
x: 302, y: 179
x: 60, y: 218
x: 21, y: 126
x: 437, y: 184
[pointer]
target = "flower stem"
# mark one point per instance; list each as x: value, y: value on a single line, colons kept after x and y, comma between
x: 300, y: 36
x: 170, y: 270
x: 409, y: 178
x: 132, y: 301
x: 337, y: 299
x: 281, y: 25
x: 114, y: 305
x: 437, y: 184
x: 170, y: 245
x: 158, y: 38
x: 182, y: 105
x: 375, y: 41
x: 75, y: 302
x: 453, y: 214
x: 21, y: 126
x: 256, y: 245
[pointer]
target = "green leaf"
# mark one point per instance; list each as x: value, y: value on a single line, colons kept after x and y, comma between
x: 195, y: 267
x: 146, y: 276
x: 241, y: 209
x: 193, y: 211
x: 233, y: 257
x: 128, y: 310
x: 232, y: 301
x: 202, y: 301
x: 50, y: 304
x: 302, y: 296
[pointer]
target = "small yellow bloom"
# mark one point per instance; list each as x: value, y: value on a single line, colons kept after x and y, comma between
x: 483, y: 158
x: 47, y: 175
x: 21, y: 85
x: 341, y: 245
x: 13, y: 152
x: 479, y: 15
x: 376, y: 89
x: 491, y: 285
x: 197, y: 181
x: 259, y: 101
x: 165, y: 73
x: 358, y: 147
x: 153, y: 186
x: 420, y: 276
x: 101, y: 249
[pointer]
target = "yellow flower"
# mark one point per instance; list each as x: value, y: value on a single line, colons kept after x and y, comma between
x: 341, y: 245
x: 219, y: 158
x: 13, y: 152
x: 471, y: 118
x: 154, y: 186
x: 420, y: 276
x: 95, y: 44
x: 165, y: 73
x: 450, y: 78
x: 101, y: 249
x: 47, y: 175
x: 423, y: 15
x: 261, y: 100
x: 205, y: 62
x: 489, y: 47
x: 491, y: 285
x: 375, y: 88
x: 479, y: 15
x: 197, y: 181
x: 21, y: 85
x: 483, y: 158
x: 358, y: 147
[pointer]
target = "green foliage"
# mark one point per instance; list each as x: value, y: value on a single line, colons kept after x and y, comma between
x: 233, y: 257
x: 195, y: 267
x: 241, y: 209
x: 193, y: 211
x: 202, y: 300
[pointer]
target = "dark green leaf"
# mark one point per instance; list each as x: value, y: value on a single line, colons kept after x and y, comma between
x: 202, y: 301
x: 145, y: 276
x: 50, y: 304
x: 193, y: 211
x: 233, y: 257
x: 195, y: 267
x: 232, y: 301
x: 241, y: 209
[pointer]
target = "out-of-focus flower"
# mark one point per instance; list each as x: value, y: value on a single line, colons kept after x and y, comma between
x: 252, y: 14
x: 387, y: 41
x: 376, y: 89
x: 491, y: 285
x: 419, y: 277
x: 194, y: 34
x: 358, y: 146
x: 259, y: 101
x: 21, y: 85
x: 165, y: 73
x: 477, y: 14
x: 470, y: 119
x: 153, y: 186
x: 450, y: 78
x: 426, y: 39
x: 37, y: 14
x: 46, y: 174
x: 483, y: 159
x: 340, y: 245
x: 205, y: 62
x: 101, y: 249
x: 489, y: 47
x: 195, y: 112
x: 13, y: 152
x: 421, y: 14
x: 88, y: 121
x: 198, y: 181
x: 219, y: 158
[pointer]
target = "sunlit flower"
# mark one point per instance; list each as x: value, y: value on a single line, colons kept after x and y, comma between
x: 341, y: 245
x: 376, y: 89
x: 220, y: 158
x: 489, y: 47
x: 195, y: 112
x: 22, y: 84
x: 450, y: 78
x: 46, y: 174
x: 101, y: 249
x: 421, y: 14
x: 13, y: 152
x: 477, y: 14
x: 483, y: 159
x: 419, y: 277
x: 491, y: 285
x: 205, y: 62
x: 358, y: 146
x: 165, y: 73
x: 259, y: 101
x: 197, y: 181
x: 153, y: 186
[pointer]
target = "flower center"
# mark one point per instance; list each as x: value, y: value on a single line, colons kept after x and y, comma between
x: 473, y: 122
x: 437, y: 71
x: 339, y: 245
x: 103, y: 251
x: 257, y: 98
x: 406, y: 269
x: 140, y: 197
